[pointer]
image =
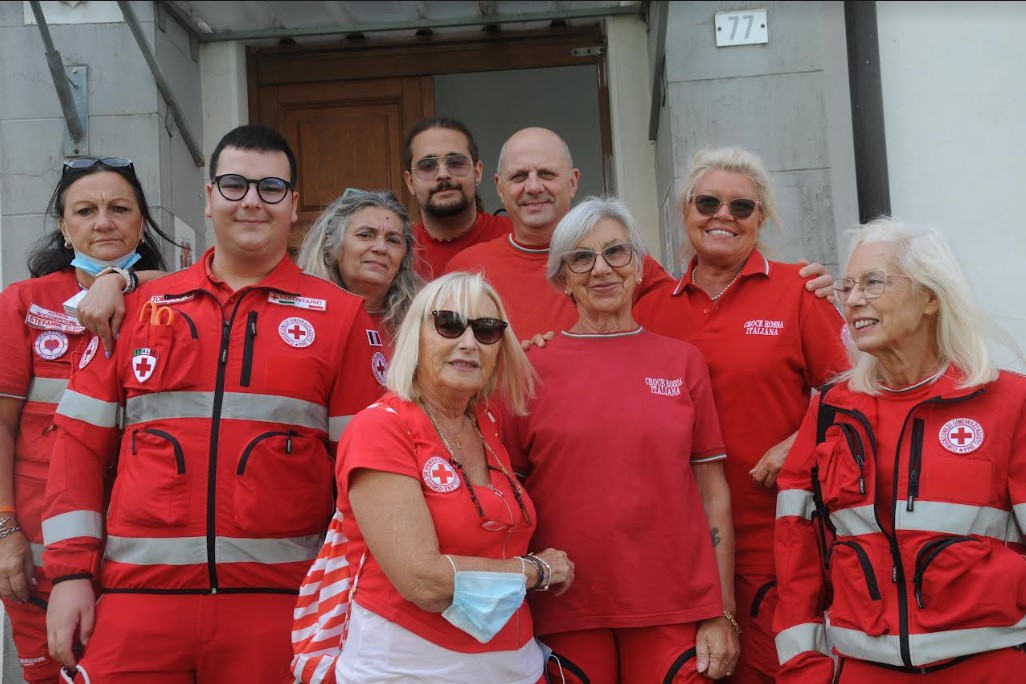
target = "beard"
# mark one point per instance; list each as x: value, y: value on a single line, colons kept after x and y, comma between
x: 447, y: 210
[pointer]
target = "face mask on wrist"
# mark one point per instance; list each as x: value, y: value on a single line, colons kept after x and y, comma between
x: 483, y: 602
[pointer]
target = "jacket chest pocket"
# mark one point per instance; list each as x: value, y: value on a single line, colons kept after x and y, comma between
x: 152, y: 488
x: 283, y: 485
x: 843, y: 470
x: 164, y: 352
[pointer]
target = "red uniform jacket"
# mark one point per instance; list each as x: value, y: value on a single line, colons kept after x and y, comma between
x: 224, y: 476
x: 929, y: 568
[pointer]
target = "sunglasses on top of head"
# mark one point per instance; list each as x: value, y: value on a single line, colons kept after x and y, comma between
x: 84, y: 163
x: 739, y: 208
x: 452, y: 325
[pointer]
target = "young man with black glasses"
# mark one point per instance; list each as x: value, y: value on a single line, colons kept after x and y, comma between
x: 443, y: 171
x: 231, y: 380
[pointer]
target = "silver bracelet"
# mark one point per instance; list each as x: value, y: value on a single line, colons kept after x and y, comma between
x: 547, y: 574
x: 8, y: 531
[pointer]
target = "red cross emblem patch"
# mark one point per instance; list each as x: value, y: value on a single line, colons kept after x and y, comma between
x: 379, y: 365
x: 144, y: 362
x: 89, y: 352
x: 961, y: 435
x: 439, y: 475
x: 297, y: 332
x: 51, y: 345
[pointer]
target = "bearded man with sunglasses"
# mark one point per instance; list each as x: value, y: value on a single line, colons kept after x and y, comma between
x: 768, y: 343
x: 443, y: 171
x: 231, y: 380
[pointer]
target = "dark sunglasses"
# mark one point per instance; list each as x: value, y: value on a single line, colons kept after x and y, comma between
x: 739, y: 208
x: 234, y: 187
x: 426, y: 168
x: 84, y: 163
x: 452, y: 325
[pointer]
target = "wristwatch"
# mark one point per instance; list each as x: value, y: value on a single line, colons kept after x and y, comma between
x: 131, y: 279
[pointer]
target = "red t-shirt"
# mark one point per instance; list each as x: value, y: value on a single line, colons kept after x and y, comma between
x: 768, y: 342
x: 517, y: 272
x: 608, y: 447
x: 396, y: 436
x: 435, y: 254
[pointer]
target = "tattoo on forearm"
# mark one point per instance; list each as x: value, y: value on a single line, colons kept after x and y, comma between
x: 716, y: 536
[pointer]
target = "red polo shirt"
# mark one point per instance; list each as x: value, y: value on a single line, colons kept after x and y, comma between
x: 435, y: 254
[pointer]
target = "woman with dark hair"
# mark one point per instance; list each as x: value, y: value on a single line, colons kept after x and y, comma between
x: 103, y: 225
x: 363, y: 242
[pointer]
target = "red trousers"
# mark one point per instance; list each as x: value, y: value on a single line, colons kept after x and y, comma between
x: 28, y: 620
x: 756, y: 599
x: 190, y: 639
x: 1003, y: 666
x: 639, y: 655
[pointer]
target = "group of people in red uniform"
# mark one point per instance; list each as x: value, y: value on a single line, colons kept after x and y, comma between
x: 652, y: 448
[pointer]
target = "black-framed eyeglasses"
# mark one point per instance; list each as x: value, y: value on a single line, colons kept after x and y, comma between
x: 84, y: 163
x: 583, y: 260
x: 872, y: 283
x: 234, y: 187
x: 452, y: 325
x: 740, y: 207
x: 426, y: 168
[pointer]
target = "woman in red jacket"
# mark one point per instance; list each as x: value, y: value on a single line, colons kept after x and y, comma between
x: 903, y: 500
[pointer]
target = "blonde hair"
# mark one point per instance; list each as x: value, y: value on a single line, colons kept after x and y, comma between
x: 513, y: 377
x: 922, y: 254
x: 730, y: 160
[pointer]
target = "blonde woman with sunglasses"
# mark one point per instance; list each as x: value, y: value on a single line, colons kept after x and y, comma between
x: 768, y: 341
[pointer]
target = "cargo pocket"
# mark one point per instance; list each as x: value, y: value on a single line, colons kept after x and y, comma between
x: 152, y: 488
x: 857, y: 602
x: 842, y: 467
x: 283, y: 485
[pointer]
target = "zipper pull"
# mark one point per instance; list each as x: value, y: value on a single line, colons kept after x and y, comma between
x: 913, y: 489
x: 133, y: 441
x: 919, y: 597
x: 288, y: 443
x: 894, y: 574
x: 225, y: 333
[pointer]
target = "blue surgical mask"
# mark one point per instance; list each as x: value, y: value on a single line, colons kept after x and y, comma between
x: 94, y: 266
x: 483, y: 602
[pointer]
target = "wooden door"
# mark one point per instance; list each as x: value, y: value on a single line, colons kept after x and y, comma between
x: 345, y: 134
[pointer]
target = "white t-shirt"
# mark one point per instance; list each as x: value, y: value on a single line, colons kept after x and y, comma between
x: 378, y: 651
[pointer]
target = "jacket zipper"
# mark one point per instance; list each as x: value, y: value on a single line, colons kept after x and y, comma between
x: 287, y: 434
x: 926, y: 555
x: 855, y: 448
x: 247, y: 349
x: 867, y: 568
x: 915, y: 462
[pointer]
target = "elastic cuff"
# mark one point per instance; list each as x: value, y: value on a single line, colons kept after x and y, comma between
x: 65, y: 578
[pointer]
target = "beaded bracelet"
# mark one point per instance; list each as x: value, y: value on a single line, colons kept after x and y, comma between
x: 547, y: 573
x: 536, y: 563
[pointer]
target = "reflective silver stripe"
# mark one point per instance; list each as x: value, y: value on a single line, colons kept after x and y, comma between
x: 925, y: 649
x: 37, y: 554
x: 47, y: 390
x: 1020, y: 515
x: 809, y: 636
x: 951, y: 518
x: 193, y: 550
x: 72, y: 524
x: 77, y: 406
x: 336, y: 426
x: 795, y: 502
x: 851, y: 522
x: 265, y: 408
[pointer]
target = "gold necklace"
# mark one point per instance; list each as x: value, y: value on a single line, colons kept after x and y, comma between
x: 454, y: 434
x: 694, y: 279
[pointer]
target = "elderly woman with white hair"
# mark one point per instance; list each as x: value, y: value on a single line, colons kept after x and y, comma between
x: 903, y: 500
x: 623, y: 457
x: 437, y: 527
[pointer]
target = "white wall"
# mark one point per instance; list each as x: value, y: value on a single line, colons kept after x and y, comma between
x: 954, y: 113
